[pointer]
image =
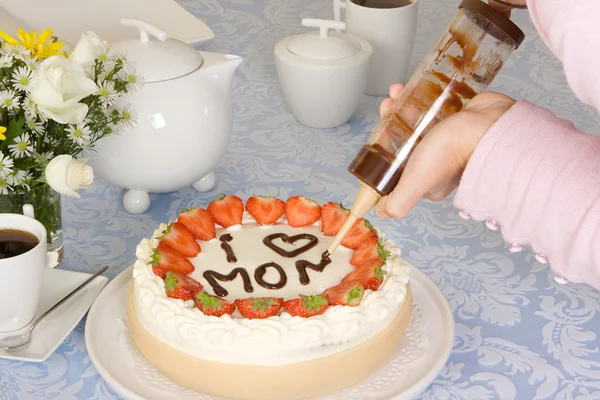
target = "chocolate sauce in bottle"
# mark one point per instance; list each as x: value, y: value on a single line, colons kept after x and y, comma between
x: 462, y: 63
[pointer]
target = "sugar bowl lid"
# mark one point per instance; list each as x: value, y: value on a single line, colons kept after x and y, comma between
x: 157, y: 57
x: 324, y: 45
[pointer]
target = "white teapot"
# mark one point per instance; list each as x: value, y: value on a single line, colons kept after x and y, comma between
x: 184, y: 120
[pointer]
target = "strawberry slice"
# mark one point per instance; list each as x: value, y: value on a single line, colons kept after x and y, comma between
x: 159, y: 272
x: 213, y: 305
x: 180, y: 286
x: 179, y: 238
x: 369, y: 274
x: 199, y: 223
x: 301, y: 211
x: 307, y: 306
x: 372, y: 249
x: 227, y: 210
x: 265, y: 210
x: 333, y: 216
x: 167, y: 259
x: 360, y: 232
x: 260, y: 307
x: 347, y: 293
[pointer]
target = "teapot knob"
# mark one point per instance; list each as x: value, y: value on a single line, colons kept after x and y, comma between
x: 146, y: 29
x: 323, y: 25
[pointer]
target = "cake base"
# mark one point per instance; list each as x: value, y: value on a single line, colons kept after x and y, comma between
x: 298, y: 381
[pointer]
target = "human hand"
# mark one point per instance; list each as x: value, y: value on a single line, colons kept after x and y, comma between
x: 436, y: 165
x: 505, y: 6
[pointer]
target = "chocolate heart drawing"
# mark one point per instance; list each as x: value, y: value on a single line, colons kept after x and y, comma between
x: 312, y: 242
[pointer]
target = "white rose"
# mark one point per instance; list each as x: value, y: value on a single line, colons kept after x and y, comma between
x: 60, y: 87
x: 87, y: 49
x: 66, y: 175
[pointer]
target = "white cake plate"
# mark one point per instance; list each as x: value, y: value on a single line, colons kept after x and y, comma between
x: 425, y: 350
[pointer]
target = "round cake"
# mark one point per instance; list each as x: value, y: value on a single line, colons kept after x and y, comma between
x: 243, y: 301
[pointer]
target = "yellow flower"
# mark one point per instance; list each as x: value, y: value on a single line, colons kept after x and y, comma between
x: 42, y: 46
x: 2, y: 130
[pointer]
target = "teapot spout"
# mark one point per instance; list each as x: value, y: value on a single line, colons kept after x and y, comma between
x: 220, y: 67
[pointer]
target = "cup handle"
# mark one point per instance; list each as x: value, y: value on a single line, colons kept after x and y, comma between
x: 337, y: 10
x: 28, y: 211
x: 51, y: 259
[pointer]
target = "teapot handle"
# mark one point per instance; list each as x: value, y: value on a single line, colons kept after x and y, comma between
x: 28, y: 211
x: 146, y: 29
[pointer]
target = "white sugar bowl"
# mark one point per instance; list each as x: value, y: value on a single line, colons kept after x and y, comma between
x: 323, y: 74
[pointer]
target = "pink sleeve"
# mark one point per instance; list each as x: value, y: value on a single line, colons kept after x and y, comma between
x: 571, y: 30
x: 539, y: 178
x: 534, y: 174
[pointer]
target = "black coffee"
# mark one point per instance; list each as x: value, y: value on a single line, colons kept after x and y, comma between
x: 382, y: 3
x: 14, y: 242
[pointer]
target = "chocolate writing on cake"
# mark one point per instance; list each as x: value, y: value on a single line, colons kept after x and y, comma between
x: 214, y: 278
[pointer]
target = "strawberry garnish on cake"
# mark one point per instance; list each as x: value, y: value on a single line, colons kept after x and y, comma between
x: 180, y: 286
x: 333, y: 216
x: 265, y: 210
x: 213, y: 305
x: 306, y: 306
x: 199, y: 223
x: 301, y: 211
x: 260, y: 307
x: 179, y: 238
x: 227, y: 210
x: 348, y: 293
x: 369, y: 274
x: 164, y: 258
x: 360, y: 232
x: 372, y: 249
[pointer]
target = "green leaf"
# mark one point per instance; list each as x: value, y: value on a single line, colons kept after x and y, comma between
x: 208, y: 302
x: 356, y: 293
x: 171, y: 281
x: 369, y: 226
x: 155, y: 259
x: 167, y: 230
x: 262, y: 303
x: 313, y: 302
x: 382, y: 252
x: 379, y: 273
x: 14, y: 129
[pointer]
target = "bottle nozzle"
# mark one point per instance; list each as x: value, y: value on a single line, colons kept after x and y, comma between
x: 365, y: 200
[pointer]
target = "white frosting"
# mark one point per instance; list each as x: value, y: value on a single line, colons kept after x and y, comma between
x: 278, y: 340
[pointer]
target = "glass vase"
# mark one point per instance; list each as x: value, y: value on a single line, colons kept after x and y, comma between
x: 46, y: 206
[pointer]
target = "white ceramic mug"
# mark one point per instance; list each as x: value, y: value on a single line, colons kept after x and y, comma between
x: 391, y: 32
x: 21, y: 283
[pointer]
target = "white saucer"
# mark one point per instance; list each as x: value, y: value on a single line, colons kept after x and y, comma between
x: 71, y: 17
x: 424, y: 351
x: 53, y: 329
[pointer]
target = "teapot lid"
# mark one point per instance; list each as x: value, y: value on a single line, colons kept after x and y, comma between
x: 157, y: 57
x: 322, y: 45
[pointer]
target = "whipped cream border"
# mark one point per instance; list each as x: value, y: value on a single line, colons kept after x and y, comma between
x: 278, y: 340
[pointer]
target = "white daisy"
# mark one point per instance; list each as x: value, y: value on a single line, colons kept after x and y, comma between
x: 8, y: 99
x: 4, y: 187
x: 24, y: 79
x: 79, y: 133
x: 6, y: 165
x: 134, y: 82
x: 6, y: 61
x: 128, y: 116
x: 45, y: 157
x: 17, y: 177
x: 107, y: 56
x: 30, y: 107
x: 22, y: 147
x: 108, y: 95
x: 35, y: 126
x: 18, y: 51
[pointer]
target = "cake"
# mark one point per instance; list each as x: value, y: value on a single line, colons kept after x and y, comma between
x: 244, y: 302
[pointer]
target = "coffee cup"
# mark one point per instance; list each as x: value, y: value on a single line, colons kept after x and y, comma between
x: 22, y: 274
x: 391, y: 29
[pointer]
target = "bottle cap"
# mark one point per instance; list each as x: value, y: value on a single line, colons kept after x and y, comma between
x: 496, y: 18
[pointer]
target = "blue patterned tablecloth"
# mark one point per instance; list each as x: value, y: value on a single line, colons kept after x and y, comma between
x: 519, y: 335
